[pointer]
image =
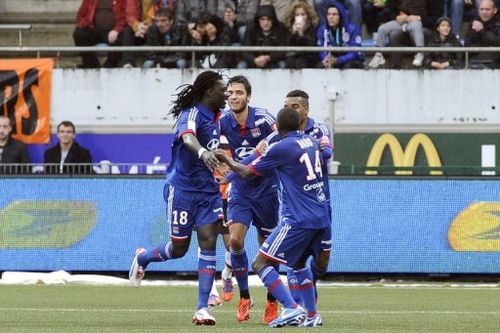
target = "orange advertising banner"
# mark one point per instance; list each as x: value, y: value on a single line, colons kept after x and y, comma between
x: 25, y: 89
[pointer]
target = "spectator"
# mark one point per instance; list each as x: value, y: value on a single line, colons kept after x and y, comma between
x: 377, y: 12
x: 209, y: 30
x: 165, y: 32
x: 302, y: 23
x: 140, y: 15
x: 245, y: 13
x: 443, y: 38
x: 267, y: 30
x: 456, y: 9
x: 485, y: 31
x: 99, y: 21
x: 354, y: 10
x: 338, y: 31
x: 189, y: 11
x: 235, y: 28
x: 12, y: 151
x: 411, y: 18
x: 281, y: 7
x: 67, y: 156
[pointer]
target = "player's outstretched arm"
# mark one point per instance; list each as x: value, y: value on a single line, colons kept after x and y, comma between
x: 240, y: 169
x: 207, y: 156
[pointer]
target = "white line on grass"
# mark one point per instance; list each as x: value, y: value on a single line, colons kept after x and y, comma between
x: 355, y: 312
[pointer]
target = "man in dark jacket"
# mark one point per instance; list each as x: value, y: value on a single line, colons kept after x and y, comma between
x: 165, y: 31
x: 266, y: 31
x: 485, y: 31
x: 67, y: 156
x: 11, y: 151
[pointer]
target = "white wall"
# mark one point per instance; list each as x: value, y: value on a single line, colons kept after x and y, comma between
x: 131, y: 100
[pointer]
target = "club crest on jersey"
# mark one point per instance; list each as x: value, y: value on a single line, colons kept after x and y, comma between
x: 255, y: 132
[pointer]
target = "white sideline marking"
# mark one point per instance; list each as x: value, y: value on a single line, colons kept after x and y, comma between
x: 355, y: 312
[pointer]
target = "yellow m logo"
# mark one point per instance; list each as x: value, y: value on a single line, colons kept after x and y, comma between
x: 403, y: 158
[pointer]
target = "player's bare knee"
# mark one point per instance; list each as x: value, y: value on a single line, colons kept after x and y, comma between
x: 236, y: 243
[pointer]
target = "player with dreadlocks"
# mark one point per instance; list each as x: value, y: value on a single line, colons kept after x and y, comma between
x: 191, y: 192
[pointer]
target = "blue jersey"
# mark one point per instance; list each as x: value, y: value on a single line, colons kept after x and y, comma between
x: 242, y: 141
x: 186, y: 170
x: 298, y: 162
x: 318, y: 131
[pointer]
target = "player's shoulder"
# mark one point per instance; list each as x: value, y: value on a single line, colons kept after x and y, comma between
x: 263, y: 116
x: 190, y: 113
x: 225, y: 116
x: 319, y: 129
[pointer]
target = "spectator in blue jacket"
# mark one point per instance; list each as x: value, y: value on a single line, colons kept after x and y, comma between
x: 338, y: 31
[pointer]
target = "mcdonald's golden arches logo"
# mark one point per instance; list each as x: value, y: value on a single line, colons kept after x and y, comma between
x: 404, y: 157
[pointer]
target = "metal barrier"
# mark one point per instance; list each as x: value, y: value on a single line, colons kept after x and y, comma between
x: 58, y: 51
x: 102, y: 168
x: 19, y: 28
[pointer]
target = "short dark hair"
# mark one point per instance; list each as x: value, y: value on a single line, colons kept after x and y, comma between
x: 242, y: 80
x: 66, y: 123
x: 288, y: 120
x: 299, y: 93
x: 165, y: 12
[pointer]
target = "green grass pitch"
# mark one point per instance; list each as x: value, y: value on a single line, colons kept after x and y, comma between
x: 169, y: 309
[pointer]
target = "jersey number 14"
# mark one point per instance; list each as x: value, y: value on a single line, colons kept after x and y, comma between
x: 311, y: 174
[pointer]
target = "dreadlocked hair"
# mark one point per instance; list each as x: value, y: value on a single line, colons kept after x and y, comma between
x: 193, y: 93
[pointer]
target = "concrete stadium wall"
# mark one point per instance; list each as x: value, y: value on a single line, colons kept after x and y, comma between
x: 131, y: 100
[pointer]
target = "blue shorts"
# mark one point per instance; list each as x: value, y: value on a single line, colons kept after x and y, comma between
x: 289, y: 243
x: 261, y: 212
x: 187, y: 209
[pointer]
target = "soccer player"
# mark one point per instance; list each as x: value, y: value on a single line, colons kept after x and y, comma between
x: 299, y: 101
x: 191, y: 192
x: 305, y: 217
x: 251, y: 201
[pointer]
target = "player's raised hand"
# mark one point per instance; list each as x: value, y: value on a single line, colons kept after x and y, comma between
x: 324, y: 142
x: 261, y: 147
x: 210, y: 160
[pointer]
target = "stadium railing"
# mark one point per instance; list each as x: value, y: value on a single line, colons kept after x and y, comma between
x: 19, y: 27
x: 336, y: 169
x: 60, y: 51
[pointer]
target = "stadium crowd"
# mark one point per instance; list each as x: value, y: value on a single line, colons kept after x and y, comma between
x: 338, y: 23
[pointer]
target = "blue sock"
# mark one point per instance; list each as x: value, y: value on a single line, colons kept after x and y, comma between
x: 272, y: 281
x: 239, y: 261
x: 206, y: 275
x: 160, y: 253
x: 294, y: 286
x: 306, y: 288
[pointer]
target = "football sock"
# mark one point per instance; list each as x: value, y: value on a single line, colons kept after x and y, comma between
x: 294, y: 286
x: 226, y: 273
x: 270, y: 296
x: 272, y: 281
x: 214, y: 291
x: 160, y: 253
x: 206, y: 276
x: 239, y: 260
x: 227, y: 259
x: 306, y: 289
